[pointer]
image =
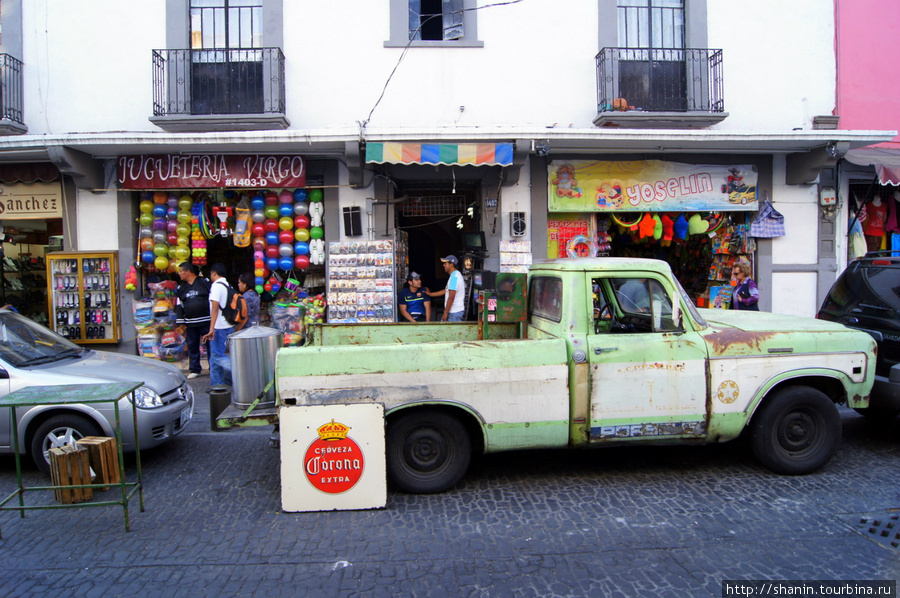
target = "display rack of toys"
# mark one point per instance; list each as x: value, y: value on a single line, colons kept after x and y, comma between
x: 362, y: 283
x: 515, y: 256
x: 154, y: 320
x: 731, y: 246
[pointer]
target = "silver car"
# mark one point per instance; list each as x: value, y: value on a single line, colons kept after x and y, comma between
x: 33, y: 355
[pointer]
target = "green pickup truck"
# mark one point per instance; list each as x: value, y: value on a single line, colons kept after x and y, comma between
x: 613, y: 352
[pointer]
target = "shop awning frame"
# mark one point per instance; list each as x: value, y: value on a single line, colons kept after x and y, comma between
x: 447, y: 154
x: 884, y: 157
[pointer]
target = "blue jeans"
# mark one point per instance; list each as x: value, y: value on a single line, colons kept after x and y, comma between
x: 193, y: 344
x: 455, y: 316
x: 219, y: 360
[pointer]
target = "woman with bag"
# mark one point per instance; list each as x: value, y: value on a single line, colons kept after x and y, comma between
x: 746, y: 293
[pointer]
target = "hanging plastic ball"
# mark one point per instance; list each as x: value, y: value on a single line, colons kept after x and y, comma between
x: 258, y: 229
x: 301, y: 221
x: 267, y: 287
x: 260, y: 256
x: 271, y: 212
x: 300, y: 209
x: 301, y: 234
x: 258, y: 202
x: 285, y: 209
x: 160, y: 236
x: 260, y: 288
x: 271, y: 199
x: 260, y: 263
x: 316, y: 232
x: 171, y: 225
x: 302, y: 262
x: 301, y: 248
x: 286, y: 250
x: 159, y: 224
x: 146, y: 219
x: 161, y: 262
x: 259, y: 244
x: 182, y: 253
x: 272, y: 251
x: 183, y: 241
x: 172, y: 239
x: 271, y: 225
x: 286, y: 263
x: 146, y: 206
x: 286, y: 197
x: 159, y: 211
x: 259, y: 272
x: 316, y: 195
x: 146, y: 244
x: 184, y: 216
x: 183, y: 230
x: 146, y: 231
x: 258, y: 216
x: 285, y: 236
x: 300, y: 194
x: 185, y: 203
x: 272, y: 262
x: 271, y: 238
x: 147, y: 257
x: 275, y: 286
x: 260, y: 279
x: 286, y: 223
x: 159, y: 197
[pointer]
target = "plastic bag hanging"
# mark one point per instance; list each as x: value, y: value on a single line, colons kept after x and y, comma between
x: 769, y: 223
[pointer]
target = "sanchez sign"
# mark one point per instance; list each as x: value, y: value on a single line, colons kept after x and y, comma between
x: 650, y: 186
x: 34, y: 201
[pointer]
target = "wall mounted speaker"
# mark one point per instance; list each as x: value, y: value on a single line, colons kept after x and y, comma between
x: 517, y: 223
x: 352, y: 222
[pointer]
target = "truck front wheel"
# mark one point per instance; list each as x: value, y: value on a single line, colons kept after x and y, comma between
x: 427, y: 452
x: 796, y: 431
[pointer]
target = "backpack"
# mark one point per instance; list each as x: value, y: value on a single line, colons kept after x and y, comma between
x: 235, y: 308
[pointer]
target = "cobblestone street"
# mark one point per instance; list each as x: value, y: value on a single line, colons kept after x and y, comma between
x: 672, y: 521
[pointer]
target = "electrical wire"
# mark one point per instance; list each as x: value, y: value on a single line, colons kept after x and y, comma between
x: 364, y: 123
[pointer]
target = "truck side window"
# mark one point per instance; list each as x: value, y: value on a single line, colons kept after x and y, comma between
x: 602, y: 310
x: 644, y: 304
x: 546, y: 298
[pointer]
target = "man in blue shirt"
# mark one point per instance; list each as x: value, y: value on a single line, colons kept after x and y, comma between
x: 414, y: 304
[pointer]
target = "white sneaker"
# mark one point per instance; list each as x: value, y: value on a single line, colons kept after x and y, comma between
x: 192, y: 375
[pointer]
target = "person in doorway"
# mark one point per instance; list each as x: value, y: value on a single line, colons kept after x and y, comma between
x: 414, y: 303
x: 219, y: 328
x: 455, y: 292
x: 246, y: 285
x: 746, y: 293
x: 193, y: 312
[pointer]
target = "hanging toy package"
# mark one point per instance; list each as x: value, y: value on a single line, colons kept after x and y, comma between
x: 242, y: 221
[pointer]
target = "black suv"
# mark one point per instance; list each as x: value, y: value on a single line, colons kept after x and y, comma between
x: 867, y: 296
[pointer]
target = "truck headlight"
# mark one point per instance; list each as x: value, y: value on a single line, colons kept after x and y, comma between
x: 146, y: 398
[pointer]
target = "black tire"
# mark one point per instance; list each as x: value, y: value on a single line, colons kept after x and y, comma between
x: 427, y: 452
x: 796, y: 431
x: 57, y: 431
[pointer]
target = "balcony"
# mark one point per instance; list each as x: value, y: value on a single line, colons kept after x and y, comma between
x: 219, y: 90
x: 11, y: 120
x: 659, y: 88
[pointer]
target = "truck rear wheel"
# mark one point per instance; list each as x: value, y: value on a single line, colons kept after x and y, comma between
x: 427, y: 452
x: 796, y: 431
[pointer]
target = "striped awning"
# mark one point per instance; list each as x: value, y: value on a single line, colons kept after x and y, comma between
x: 449, y: 154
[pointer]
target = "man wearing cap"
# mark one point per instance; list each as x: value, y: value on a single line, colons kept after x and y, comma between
x: 414, y: 303
x: 455, y: 292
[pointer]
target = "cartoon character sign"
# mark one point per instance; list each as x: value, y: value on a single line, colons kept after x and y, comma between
x: 609, y: 194
x: 566, y: 185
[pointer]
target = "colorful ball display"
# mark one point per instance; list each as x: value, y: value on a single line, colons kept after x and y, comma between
x: 146, y: 206
x: 285, y: 250
x: 272, y: 262
x: 286, y: 197
x: 271, y: 225
x: 301, y: 234
x: 271, y: 212
x: 285, y: 236
x: 258, y: 202
x: 146, y: 219
x: 258, y: 230
x: 316, y: 195
x: 301, y: 248
x: 272, y: 251
x: 301, y: 261
x: 286, y: 263
x: 316, y: 232
x: 286, y: 223
x: 186, y: 203
x: 161, y: 249
x: 271, y: 199
x: 148, y: 257
x: 159, y: 211
x: 161, y: 263
x: 258, y: 216
x: 260, y: 289
x: 259, y: 244
x: 300, y: 195
x: 285, y: 209
x: 301, y: 221
x: 301, y: 209
x: 272, y: 238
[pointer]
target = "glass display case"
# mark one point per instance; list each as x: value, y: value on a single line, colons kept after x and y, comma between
x: 82, y: 295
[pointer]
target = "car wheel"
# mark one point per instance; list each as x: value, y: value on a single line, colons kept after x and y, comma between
x: 427, y: 452
x: 796, y: 431
x: 57, y: 431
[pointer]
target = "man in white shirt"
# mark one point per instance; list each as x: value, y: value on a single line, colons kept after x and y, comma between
x: 219, y: 328
x: 454, y: 293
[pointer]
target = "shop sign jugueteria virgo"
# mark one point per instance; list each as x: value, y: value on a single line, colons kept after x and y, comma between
x: 31, y: 201
x: 211, y: 171
x: 650, y: 186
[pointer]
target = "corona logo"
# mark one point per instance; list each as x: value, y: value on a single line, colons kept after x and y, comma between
x: 333, y: 431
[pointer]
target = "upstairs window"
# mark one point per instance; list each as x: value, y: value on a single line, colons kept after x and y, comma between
x: 226, y: 24
x: 651, y: 24
x: 435, y: 20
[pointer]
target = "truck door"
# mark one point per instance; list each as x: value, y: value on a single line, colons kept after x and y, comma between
x: 647, y: 371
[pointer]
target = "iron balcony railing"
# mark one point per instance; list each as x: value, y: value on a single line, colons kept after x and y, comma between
x: 218, y: 81
x: 11, y: 89
x: 660, y: 80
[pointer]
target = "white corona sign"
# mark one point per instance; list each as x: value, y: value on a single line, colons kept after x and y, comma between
x: 332, y: 457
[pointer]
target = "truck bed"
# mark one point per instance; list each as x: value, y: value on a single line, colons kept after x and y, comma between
x: 399, y: 333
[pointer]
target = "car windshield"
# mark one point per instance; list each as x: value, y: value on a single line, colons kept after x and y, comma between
x: 23, y: 342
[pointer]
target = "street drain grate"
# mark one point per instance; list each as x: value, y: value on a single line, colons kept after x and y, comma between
x: 884, y: 529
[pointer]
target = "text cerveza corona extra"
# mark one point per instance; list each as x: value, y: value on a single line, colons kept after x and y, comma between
x: 333, y: 463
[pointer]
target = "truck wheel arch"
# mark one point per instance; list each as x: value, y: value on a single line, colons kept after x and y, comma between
x: 473, y: 422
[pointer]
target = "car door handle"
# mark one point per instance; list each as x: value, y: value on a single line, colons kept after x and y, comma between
x: 599, y: 350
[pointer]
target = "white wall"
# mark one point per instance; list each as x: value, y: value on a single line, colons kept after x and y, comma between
x: 97, y: 225
x: 88, y: 65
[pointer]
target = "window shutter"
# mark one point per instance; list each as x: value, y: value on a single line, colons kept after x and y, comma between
x: 415, y: 9
x: 453, y: 19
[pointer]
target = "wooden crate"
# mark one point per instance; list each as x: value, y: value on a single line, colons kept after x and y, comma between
x: 69, y: 466
x: 104, y: 459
